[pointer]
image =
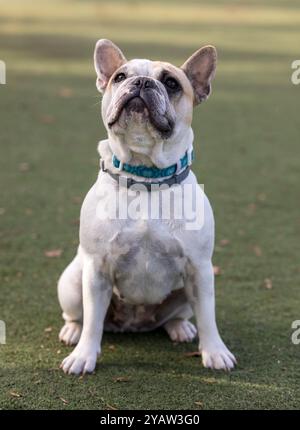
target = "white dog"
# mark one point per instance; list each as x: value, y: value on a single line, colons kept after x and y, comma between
x: 136, y: 273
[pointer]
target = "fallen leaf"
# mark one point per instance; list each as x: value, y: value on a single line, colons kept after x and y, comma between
x: 217, y: 270
x: 77, y: 200
x: 224, y: 242
x: 93, y: 392
x: 64, y: 401
x: 112, y: 347
x: 121, y: 379
x: 268, y: 284
x: 251, y: 209
x: 53, y: 253
x: 209, y: 380
x: 15, y: 394
x: 193, y: 354
x: 23, y: 167
x: 199, y: 404
x: 47, y: 119
x: 110, y: 407
x: 65, y: 92
x: 261, y: 197
x: 257, y: 251
x: 48, y: 329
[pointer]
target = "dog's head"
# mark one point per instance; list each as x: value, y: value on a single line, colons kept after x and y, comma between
x: 147, y: 105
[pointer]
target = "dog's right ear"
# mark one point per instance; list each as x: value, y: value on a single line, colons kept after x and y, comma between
x: 107, y: 59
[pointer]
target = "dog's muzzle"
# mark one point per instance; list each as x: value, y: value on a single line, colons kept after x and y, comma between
x: 143, y: 93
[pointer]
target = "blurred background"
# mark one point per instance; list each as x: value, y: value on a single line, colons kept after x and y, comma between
x: 247, y: 156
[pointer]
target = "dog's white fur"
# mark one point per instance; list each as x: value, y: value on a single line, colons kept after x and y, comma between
x: 158, y: 266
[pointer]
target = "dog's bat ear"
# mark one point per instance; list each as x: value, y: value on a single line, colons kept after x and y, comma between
x: 200, y: 69
x: 107, y: 59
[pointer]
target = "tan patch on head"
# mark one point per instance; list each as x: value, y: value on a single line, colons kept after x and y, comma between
x: 183, y: 105
x: 178, y: 74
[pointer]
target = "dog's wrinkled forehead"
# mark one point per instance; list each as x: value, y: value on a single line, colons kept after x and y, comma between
x: 138, y: 67
x: 155, y: 70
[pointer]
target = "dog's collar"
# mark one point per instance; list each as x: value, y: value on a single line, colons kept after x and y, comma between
x: 155, y: 172
x: 175, y: 173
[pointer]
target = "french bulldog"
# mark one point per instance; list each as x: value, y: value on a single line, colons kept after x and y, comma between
x: 138, y: 273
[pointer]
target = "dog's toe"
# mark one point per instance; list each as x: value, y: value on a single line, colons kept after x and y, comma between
x: 70, y: 333
x: 181, y: 330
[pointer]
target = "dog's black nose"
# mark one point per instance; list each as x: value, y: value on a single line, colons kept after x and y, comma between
x: 148, y: 83
x: 138, y: 82
x: 144, y: 83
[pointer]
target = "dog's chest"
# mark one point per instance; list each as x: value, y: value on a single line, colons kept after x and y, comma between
x: 146, y: 263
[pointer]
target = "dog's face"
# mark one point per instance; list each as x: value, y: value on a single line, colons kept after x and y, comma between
x: 147, y: 105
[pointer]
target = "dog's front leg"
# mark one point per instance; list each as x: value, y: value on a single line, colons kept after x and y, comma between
x: 96, y: 295
x: 200, y: 293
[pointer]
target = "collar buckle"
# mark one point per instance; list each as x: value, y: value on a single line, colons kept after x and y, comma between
x: 102, y: 165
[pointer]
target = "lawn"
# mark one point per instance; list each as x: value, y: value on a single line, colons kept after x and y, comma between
x: 247, y: 156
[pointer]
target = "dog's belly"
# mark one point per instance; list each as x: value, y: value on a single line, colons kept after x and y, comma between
x: 147, y: 265
x: 122, y: 316
x: 143, y: 277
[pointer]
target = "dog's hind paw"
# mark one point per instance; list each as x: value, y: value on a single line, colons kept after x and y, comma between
x: 180, y: 330
x: 70, y: 333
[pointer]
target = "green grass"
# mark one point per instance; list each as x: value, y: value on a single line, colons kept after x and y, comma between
x: 247, y: 150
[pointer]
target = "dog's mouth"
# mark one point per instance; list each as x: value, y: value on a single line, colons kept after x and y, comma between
x: 135, y: 101
x: 136, y: 104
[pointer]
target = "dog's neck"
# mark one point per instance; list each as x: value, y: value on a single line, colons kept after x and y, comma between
x: 163, y: 154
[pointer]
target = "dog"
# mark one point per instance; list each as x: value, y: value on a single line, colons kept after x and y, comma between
x: 136, y: 274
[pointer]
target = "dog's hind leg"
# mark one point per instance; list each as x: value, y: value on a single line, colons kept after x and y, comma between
x: 179, y: 328
x: 70, y: 299
x: 174, y: 314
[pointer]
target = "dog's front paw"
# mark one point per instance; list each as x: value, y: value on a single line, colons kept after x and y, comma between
x: 80, y: 361
x: 218, y: 356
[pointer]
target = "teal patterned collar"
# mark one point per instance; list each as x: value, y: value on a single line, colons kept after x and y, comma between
x: 155, y: 172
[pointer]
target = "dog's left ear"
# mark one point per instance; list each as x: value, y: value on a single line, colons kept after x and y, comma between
x: 107, y: 59
x: 200, y: 69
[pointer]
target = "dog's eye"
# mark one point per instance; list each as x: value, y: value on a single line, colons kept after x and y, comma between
x: 119, y: 77
x: 172, y: 84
